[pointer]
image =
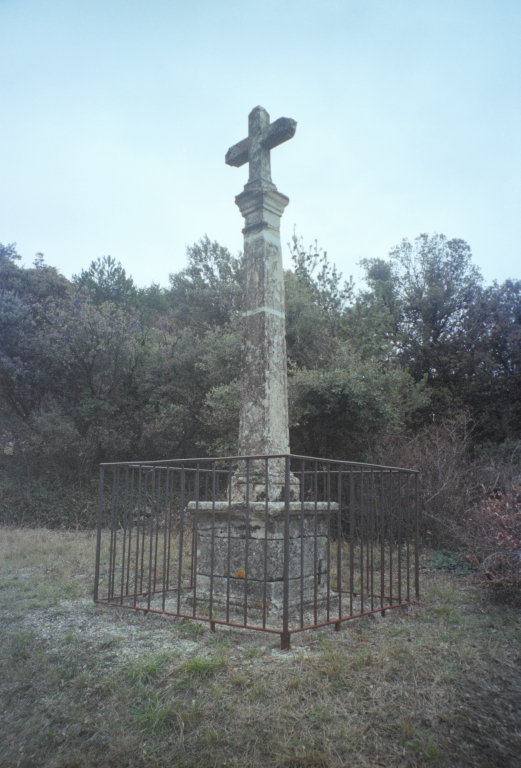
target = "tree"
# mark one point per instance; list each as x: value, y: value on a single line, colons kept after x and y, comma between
x: 107, y: 281
x: 492, y: 381
x: 436, y: 285
x: 208, y: 291
x: 462, y: 338
x: 29, y: 301
x: 347, y: 409
x: 323, y: 282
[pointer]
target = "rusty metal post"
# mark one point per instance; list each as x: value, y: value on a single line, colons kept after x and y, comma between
x: 98, y: 538
x: 416, y: 537
x: 285, y: 639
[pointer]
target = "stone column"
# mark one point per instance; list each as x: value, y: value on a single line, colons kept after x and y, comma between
x: 263, y: 427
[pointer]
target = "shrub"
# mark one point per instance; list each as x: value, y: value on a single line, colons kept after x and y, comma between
x: 496, y: 537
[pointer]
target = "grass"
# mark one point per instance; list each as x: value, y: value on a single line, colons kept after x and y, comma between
x: 81, y: 685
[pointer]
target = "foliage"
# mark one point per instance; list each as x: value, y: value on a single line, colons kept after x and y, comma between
x: 420, y: 367
x: 451, y: 561
x: 208, y: 291
x: 106, y: 280
x: 322, y: 280
x: 353, y: 397
x: 496, y: 537
x: 429, y: 304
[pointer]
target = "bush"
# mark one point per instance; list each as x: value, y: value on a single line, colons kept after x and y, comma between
x: 450, y: 482
x: 495, y: 534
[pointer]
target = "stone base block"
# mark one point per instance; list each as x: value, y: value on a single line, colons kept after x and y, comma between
x: 260, y: 558
x: 242, y: 545
x: 254, y: 519
x: 253, y: 591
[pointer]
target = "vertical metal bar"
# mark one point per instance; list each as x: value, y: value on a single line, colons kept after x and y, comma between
x: 151, y: 533
x: 339, y: 547
x: 266, y: 523
x: 181, y: 537
x: 111, y: 536
x: 399, y: 542
x: 98, y: 535
x: 362, y: 528
x: 158, y: 507
x: 192, y: 554
x: 285, y: 639
x: 196, y: 530
x: 124, y: 543
x: 144, y: 531
x: 166, y: 536
x: 315, y: 546
x: 212, y: 550
x: 328, y: 542
x: 139, y: 495
x: 229, y: 542
x: 302, y: 540
x: 368, y: 540
x: 247, y: 542
x: 408, y: 529
x: 372, y: 537
x: 131, y: 525
x: 382, y: 540
x: 351, y: 539
x: 229, y: 552
x: 391, y: 531
x: 113, y: 531
x: 417, y: 537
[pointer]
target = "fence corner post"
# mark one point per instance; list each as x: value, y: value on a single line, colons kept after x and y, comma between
x: 98, y: 537
x: 285, y: 640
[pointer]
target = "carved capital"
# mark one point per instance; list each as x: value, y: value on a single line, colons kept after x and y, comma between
x: 262, y: 208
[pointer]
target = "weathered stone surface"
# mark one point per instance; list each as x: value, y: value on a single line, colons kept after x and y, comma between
x: 262, y: 137
x: 260, y: 528
x: 254, y: 519
x: 252, y: 483
x: 250, y: 556
x: 263, y: 426
x: 255, y: 593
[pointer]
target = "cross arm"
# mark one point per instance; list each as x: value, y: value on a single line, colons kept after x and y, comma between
x: 239, y: 153
x: 278, y: 132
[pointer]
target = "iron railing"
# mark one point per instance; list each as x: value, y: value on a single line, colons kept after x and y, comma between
x: 328, y: 542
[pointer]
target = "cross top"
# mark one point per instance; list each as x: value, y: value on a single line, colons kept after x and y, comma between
x: 255, y: 149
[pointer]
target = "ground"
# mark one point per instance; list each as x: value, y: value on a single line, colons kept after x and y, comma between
x: 83, y: 685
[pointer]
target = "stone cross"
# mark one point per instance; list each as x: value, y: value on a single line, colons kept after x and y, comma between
x: 255, y: 149
x: 264, y: 551
x: 263, y: 427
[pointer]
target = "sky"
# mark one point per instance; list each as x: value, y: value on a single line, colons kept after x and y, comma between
x: 115, y: 116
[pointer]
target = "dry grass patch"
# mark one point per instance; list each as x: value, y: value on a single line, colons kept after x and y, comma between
x: 81, y: 685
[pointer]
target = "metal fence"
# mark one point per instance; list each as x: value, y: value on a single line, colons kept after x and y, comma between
x: 273, y: 543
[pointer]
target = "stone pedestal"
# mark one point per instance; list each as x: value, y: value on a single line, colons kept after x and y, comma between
x: 246, y: 555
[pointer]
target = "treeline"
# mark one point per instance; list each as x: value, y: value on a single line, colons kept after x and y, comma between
x: 420, y: 366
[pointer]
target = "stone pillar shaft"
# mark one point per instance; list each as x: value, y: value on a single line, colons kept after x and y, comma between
x: 263, y: 428
x: 264, y: 402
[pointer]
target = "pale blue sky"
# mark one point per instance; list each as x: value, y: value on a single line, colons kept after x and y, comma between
x: 116, y: 116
